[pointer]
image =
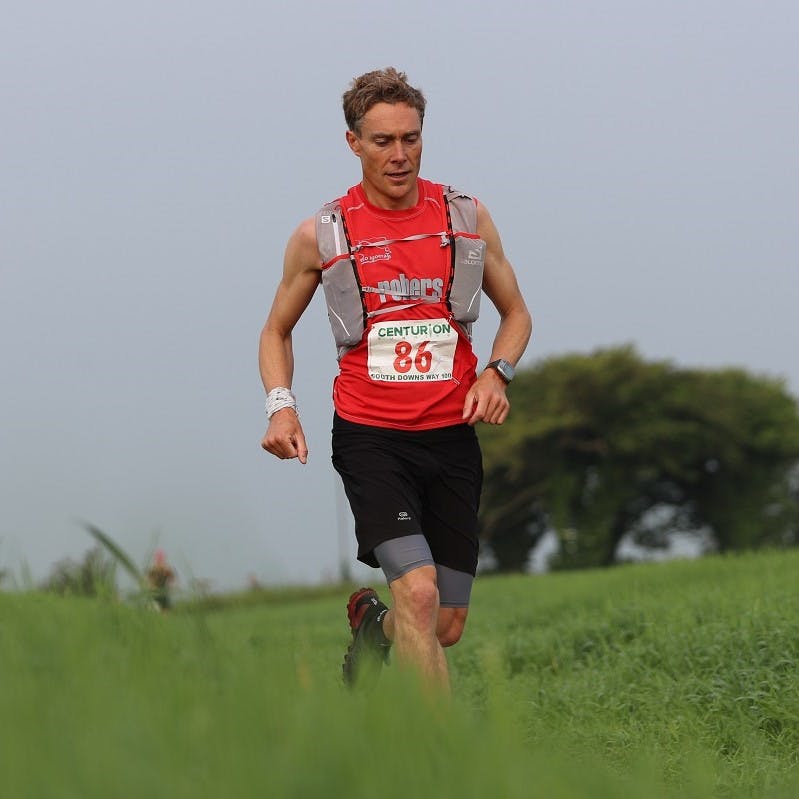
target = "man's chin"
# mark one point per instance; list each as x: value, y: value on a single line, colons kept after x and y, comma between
x: 396, y: 188
x: 400, y: 193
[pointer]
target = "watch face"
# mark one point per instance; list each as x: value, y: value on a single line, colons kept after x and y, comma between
x: 505, y: 369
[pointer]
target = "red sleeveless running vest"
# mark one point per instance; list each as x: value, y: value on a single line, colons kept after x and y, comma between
x: 414, y: 362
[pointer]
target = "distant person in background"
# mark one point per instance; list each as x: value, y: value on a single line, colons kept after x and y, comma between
x: 403, y: 262
x: 160, y: 577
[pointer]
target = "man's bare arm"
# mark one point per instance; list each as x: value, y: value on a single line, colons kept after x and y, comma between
x: 284, y: 437
x: 487, y: 400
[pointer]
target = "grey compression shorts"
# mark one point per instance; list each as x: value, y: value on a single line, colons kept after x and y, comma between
x: 399, y: 556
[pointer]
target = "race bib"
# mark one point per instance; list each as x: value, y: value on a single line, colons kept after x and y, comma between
x: 420, y: 350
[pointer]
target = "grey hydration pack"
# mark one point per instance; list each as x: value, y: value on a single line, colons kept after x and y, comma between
x: 346, y: 308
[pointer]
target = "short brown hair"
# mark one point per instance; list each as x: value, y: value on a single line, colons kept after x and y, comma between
x: 380, y: 86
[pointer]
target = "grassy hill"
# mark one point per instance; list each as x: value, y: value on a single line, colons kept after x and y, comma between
x: 661, y: 680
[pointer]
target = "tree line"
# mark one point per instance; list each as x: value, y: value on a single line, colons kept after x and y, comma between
x: 608, y: 445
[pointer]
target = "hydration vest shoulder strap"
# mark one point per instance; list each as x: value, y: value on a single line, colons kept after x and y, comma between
x: 343, y: 291
x: 332, y: 238
x: 461, y: 210
x: 468, y: 258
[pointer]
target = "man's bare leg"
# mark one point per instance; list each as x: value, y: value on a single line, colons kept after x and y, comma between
x: 417, y: 625
x: 412, y: 624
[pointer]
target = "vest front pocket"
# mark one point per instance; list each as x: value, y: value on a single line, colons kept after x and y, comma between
x: 467, y: 281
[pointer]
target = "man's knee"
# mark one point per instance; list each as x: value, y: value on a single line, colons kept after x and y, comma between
x: 416, y: 594
x: 451, y: 622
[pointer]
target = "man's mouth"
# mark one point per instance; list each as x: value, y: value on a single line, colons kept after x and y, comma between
x: 397, y: 175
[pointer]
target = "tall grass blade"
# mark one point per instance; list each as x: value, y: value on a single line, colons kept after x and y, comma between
x: 119, y: 554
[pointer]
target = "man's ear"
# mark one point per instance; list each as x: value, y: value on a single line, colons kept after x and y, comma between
x: 354, y: 142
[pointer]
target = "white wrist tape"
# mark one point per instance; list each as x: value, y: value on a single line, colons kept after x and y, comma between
x: 279, y: 398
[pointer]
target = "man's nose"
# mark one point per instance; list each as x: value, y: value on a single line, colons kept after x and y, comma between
x: 398, y: 151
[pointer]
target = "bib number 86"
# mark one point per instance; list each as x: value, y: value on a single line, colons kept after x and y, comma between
x: 422, y: 359
x: 406, y: 350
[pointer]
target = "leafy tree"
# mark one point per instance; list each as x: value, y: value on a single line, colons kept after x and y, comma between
x: 597, y: 446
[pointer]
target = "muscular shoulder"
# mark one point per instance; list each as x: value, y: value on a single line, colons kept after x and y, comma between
x: 302, y: 250
x: 305, y: 233
x: 485, y: 225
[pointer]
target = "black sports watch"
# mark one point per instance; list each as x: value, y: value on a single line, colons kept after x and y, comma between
x: 505, y: 369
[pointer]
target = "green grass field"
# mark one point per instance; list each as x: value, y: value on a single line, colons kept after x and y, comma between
x: 668, y: 680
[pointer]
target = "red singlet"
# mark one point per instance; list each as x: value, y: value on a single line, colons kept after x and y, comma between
x: 414, y: 364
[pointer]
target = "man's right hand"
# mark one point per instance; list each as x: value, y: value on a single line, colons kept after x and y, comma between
x: 284, y: 437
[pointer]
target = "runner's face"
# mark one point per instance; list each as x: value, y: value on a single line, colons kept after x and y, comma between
x: 390, y: 148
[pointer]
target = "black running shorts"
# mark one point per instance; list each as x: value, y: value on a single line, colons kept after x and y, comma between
x: 411, y: 482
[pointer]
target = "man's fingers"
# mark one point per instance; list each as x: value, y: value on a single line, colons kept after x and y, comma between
x: 287, y: 446
x: 301, y: 448
x: 468, y: 405
x: 472, y: 412
x: 489, y: 408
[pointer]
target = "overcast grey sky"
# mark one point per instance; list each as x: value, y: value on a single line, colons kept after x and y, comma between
x: 639, y: 158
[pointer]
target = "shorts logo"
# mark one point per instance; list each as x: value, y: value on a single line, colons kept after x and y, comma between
x: 403, y: 516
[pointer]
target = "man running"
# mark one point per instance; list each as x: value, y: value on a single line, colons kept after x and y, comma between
x: 403, y: 263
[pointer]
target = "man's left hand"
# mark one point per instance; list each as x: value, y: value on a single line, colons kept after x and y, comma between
x: 487, y: 401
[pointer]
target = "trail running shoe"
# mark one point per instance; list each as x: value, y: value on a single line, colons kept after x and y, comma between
x: 369, y: 648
